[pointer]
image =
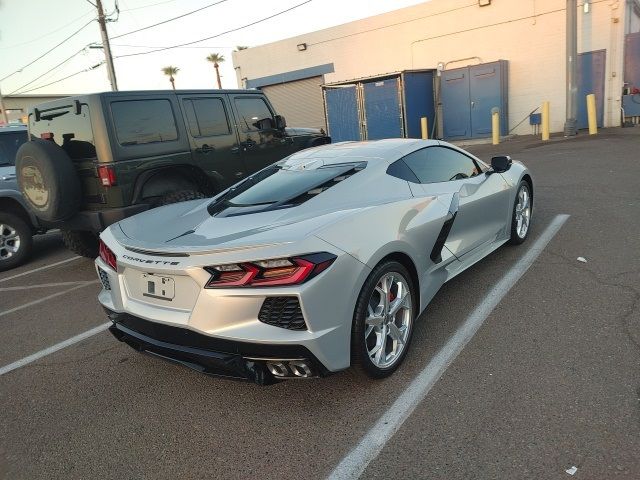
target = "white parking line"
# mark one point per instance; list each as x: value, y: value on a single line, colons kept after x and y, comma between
x: 356, y: 461
x: 39, y: 269
x: 44, y: 299
x: 53, y: 348
x: 39, y: 285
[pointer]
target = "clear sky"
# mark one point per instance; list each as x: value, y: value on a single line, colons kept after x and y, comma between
x: 28, y: 28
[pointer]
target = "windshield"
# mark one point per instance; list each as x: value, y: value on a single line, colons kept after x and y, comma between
x: 9, y: 144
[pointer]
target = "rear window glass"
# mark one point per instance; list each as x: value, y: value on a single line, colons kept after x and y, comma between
x: 251, y: 110
x: 206, y: 117
x: 144, y: 121
x: 278, y: 184
x: 70, y: 131
x: 9, y: 143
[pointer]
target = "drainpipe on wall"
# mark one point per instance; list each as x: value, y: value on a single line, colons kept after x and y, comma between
x: 570, y: 124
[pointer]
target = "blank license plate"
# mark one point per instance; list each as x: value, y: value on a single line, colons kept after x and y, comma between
x: 156, y: 286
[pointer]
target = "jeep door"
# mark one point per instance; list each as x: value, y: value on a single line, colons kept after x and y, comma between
x: 261, y: 144
x: 214, y: 142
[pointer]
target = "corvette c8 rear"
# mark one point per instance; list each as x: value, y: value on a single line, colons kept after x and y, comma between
x: 321, y: 261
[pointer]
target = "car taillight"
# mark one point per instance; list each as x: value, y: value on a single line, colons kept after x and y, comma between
x: 107, y: 256
x: 269, y: 273
x: 107, y: 175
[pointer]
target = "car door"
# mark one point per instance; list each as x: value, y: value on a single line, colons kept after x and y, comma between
x: 480, y: 201
x: 214, y: 143
x: 261, y: 144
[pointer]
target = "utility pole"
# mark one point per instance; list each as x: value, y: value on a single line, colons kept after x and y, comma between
x: 570, y: 125
x: 105, y: 44
x: 4, y: 112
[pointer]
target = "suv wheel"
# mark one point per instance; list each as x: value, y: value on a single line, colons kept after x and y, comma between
x: 81, y: 242
x: 16, y: 241
x: 180, y: 196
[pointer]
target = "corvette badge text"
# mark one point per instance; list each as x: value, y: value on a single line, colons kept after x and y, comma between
x: 154, y: 262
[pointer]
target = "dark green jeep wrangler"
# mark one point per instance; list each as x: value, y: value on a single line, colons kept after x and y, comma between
x: 95, y: 159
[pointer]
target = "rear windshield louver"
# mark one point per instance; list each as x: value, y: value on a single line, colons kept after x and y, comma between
x: 290, y: 188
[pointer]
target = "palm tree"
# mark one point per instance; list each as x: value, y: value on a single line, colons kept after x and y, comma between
x: 171, y: 71
x: 240, y: 47
x: 216, y: 59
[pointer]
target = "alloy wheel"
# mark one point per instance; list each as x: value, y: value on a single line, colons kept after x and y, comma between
x: 9, y: 241
x: 523, y: 211
x: 388, y: 321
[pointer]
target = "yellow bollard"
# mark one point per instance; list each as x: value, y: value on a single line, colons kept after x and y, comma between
x: 545, y: 121
x: 591, y: 114
x: 424, y: 127
x: 495, y: 126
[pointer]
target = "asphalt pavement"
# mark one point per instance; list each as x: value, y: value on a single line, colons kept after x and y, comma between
x: 550, y: 381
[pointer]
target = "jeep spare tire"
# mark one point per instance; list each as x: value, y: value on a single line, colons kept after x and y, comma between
x: 48, y: 180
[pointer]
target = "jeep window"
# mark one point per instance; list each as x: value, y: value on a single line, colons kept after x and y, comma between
x: 206, y: 117
x: 144, y: 121
x: 70, y: 131
x: 251, y: 111
x: 9, y: 143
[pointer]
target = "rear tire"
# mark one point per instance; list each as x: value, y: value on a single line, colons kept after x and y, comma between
x: 81, y: 242
x: 374, y: 320
x: 16, y: 241
x: 180, y: 196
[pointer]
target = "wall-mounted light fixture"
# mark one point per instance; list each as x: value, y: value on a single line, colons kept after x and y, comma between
x: 484, y: 3
x: 586, y: 6
x: 302, y: 47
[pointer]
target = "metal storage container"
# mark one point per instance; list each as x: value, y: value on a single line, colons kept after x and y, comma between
x: 384, y: 106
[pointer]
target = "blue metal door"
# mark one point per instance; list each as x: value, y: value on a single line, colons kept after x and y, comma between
x: 382, y: 109
x: 454, y: 95
x: 485, y: 93
x: 342, y: 113
x: 591, y: 77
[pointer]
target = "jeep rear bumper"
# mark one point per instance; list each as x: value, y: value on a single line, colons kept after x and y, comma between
x: 97, y: 221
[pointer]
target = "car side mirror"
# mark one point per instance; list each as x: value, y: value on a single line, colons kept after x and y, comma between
x: 265, y: 124
x: 281, y: 123
x: 501, y: 163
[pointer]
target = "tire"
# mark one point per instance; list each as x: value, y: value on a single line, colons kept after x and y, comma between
x: 48, y: 180
x: 16, y: 241
x: 81, y: 242
x: 180, y: 196
x: 520, y: 232
x: 366, y: 337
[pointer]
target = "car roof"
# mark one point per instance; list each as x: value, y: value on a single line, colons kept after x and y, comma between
x: 12, y: 128
x: 387, y: 151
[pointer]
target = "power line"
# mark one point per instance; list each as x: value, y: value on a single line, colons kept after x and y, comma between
x: 47, y: 34
x: 147, y: 6
x: 50, y: 50
x: 64, y: 78
x: 162, y: 46
x: 169, y: 20
x: 218, y: 34
x: 48, y: 71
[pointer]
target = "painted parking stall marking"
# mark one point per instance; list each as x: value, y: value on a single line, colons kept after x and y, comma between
x: 356, y: 461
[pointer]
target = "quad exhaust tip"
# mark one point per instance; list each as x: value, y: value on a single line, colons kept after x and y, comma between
x: 290, y: 368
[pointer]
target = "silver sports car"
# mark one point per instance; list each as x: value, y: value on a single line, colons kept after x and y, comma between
x: 318, y: 262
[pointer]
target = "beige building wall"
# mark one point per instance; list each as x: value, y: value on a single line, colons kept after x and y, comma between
x: 17, y: 106
x: 530, y: 34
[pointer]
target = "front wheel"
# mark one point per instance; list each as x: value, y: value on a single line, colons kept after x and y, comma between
x: 81, y: 242
x: 16, y: 241
x: 383, y: 320
x: 521, y: 216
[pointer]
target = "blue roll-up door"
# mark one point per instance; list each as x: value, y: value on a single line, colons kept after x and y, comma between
x: 454, y: 95
x: 342, y: 113
x: 382, y: 109
x: 591, y: 78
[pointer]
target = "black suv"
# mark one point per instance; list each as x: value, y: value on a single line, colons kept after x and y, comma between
x: 95, y: 159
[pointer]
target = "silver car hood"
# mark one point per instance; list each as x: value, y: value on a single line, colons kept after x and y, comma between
x: 188, y: 227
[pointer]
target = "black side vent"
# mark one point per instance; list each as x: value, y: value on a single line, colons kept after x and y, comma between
x: 283, y: 312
